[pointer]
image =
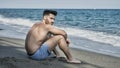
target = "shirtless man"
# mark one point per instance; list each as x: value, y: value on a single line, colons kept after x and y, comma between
x: 43, y: 38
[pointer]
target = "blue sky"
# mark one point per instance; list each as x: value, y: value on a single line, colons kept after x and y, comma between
x: 79, y: 4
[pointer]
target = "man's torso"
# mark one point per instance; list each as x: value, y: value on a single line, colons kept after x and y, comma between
x: 35, y: 37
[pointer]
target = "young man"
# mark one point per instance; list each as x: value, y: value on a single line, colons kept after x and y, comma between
x: 43, y: 38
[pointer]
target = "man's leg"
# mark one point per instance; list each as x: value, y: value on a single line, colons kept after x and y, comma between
x: 56, y: 52
x: 59, y: 39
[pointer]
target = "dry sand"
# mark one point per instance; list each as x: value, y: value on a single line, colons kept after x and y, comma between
x: 13, y: 55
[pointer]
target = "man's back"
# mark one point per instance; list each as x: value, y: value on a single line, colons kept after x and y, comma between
x: 35, y: 37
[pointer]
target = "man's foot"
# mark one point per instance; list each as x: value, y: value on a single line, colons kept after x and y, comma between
x: 74, y: 61
x: 57, y: 56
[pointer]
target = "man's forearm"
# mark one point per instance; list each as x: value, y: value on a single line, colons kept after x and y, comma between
x: 64, y: 34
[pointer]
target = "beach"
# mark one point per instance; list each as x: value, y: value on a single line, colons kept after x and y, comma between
x: 13, y: 55
x: 94, y: 36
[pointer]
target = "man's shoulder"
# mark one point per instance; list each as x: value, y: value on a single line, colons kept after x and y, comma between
x: 49, y: 26
x: 36, y: 24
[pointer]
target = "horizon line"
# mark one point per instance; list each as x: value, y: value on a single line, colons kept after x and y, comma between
x: 59, y: 8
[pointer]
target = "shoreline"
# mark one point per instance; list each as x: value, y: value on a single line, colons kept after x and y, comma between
x: 13, y: 55
x: 94, y: 46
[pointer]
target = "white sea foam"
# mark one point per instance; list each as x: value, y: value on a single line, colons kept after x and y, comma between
x: 92, y: 35
x: 95, y: 36
x: 18, y: 21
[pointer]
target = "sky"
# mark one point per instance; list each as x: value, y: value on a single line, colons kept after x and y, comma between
x: 72, y: 4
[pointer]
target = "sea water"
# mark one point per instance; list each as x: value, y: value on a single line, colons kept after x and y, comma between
x: 95, y: 30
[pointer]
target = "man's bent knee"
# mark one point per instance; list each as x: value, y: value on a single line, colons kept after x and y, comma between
x: 59, y: 37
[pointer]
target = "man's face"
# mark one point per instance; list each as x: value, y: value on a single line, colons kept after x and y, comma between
x: 50, y: 19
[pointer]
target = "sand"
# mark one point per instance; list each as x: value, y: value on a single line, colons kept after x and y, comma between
x: 13, y: 55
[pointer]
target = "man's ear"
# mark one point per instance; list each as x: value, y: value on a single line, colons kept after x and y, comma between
x: 45, y: 17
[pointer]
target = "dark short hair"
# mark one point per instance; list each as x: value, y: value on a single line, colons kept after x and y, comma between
x: 47, y: 12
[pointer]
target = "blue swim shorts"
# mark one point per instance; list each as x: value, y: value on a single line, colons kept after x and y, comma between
x: 41, y: 53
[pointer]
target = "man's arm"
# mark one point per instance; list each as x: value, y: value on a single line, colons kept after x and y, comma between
x: 56, y: 31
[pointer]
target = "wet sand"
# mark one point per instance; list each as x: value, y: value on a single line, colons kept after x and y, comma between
x: 13, y: 55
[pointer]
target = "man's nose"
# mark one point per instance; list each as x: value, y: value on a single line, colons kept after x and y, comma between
x: 53, y: 21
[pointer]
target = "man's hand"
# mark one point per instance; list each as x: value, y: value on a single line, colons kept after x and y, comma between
x: 68, y: 42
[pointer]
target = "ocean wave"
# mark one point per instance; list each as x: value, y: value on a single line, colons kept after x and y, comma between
x: 17, y: 21
x: 95, y: 36
x: 92, y: 35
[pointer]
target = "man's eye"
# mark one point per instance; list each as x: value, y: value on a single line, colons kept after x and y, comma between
x: 51, y: 18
